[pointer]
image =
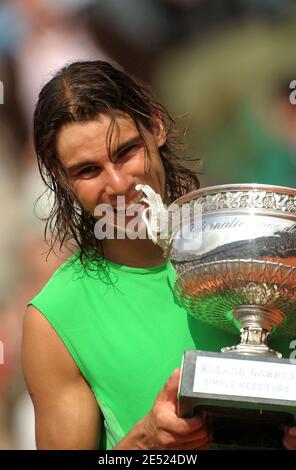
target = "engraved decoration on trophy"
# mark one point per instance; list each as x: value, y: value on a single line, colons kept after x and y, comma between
x: 237, y: 272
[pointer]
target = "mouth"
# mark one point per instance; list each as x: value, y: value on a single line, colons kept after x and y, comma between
x: 137, y: 199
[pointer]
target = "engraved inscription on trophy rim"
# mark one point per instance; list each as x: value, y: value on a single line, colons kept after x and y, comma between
x: 249, y: 199
x: 239, y: 222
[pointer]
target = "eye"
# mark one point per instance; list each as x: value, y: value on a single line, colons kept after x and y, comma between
x: 129, y: 151
x: 88, y: 171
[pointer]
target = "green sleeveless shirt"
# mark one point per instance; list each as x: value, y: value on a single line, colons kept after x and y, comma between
x: 126, y: 333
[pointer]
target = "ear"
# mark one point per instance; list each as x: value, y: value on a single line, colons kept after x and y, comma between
x: 159, y: 131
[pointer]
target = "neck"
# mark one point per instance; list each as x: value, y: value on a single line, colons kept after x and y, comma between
x: 134, y: 253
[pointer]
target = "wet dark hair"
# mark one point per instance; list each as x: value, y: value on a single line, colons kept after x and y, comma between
x: 81, y: 92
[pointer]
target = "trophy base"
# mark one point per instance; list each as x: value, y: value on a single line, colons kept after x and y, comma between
x: 248, y: 399
x: 254, y: 350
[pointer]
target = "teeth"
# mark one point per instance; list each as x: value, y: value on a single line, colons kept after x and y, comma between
x: 137, y: 200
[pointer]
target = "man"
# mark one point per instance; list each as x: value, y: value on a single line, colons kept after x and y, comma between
x: 105, y: 333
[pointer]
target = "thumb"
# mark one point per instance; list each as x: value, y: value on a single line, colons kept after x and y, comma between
x: 170, y: 389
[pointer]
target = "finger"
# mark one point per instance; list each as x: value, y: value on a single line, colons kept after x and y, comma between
x: 205, y: 446
x: 176, y: 441
x: 289, y: 442
x: 182, y: 427
x: 195, y: 423
x: 202, y: 413
x: 291, y: 431
x: 170, y: 389
x: 200, y: 444
x: 200, y: 433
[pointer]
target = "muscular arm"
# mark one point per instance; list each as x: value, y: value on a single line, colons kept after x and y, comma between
x: 67, y: 415
x: 66, y: 412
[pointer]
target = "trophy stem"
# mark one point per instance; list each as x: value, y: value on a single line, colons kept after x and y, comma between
x: 257, y: 322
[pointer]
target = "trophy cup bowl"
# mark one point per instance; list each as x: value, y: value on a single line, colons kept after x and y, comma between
x: 234, y: 253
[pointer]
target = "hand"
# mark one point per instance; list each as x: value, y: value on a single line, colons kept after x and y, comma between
x: 289, y: 439
x: 163, y: 429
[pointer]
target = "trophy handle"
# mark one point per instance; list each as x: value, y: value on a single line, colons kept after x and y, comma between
x: 155, y: 217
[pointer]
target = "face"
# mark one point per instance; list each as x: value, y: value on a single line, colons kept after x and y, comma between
x: 96, y: 179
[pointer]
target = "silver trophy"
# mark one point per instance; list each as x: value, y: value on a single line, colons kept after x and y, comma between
x: 233, y: 248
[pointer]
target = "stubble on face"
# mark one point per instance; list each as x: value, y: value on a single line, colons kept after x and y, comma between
x: 97, y: 142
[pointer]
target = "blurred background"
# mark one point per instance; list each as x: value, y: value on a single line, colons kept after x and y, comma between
x: 222, y: 67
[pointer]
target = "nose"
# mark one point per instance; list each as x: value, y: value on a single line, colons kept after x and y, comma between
x: 118, y: 182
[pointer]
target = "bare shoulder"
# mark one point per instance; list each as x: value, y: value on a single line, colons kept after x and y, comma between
x: 66, y: 411
x: 42, y: 346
